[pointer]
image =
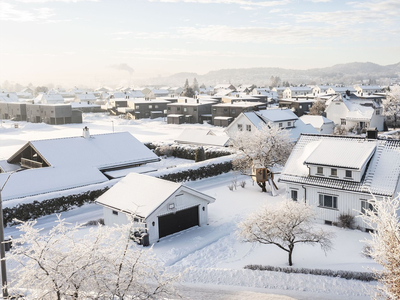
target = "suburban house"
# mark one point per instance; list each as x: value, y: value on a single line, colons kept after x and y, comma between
x: 320, y: 89
x: 266, y: 93
x: 202, y: 137
x: 49, y: 99
x: 340, y: 90
x: 190, y: 111
x: 223, y: 87
x: 337, y: 175
x: 299, y: 106
x: 295, y: 91
x: 320, y: 123
x: 87, y: 98
x: 66, y: 163
x: 156, y: 206
x: 283, y: 118
x: 353, y: 114
x: 279, y: 90
x: 152, y: 108
x: 363, y: 90
x: 156, y: 93
x: 224, y: 113
x: 175, y: 91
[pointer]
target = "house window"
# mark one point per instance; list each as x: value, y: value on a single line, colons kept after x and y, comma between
x: 294, y: 195
x: 342, y: 121
x: 320, y: 170
x: 280, y: 125
x: 115, y: 212
x: 378, y: 112
x: 233, y: 111
x: 137, y: 106
x: 185, y: 109
x: 349, y: 174
x: 155, y: 106
x: 365, y: 205
x: 289, y: 124
x: 178, y: 108
x: 169, y: 108
x: 150, y: 106
x: 195, y: 109
x: 328, y: 201
x: 240, y: 127
x: 248, y: 127
x: 334, y: 172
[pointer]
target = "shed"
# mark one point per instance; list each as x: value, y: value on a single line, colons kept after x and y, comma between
x: 165, y: 207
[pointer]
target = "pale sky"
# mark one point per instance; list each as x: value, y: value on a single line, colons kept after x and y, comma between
x: 92, y: 42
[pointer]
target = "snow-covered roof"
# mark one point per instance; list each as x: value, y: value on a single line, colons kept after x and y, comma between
x: 44, y: 180
x: 315, y: 121
x: 277, y: 115
x: 382, y: 173
x: 239, y: 104
x: 341, y: 154
x: 142, y: 195
x: 49, y: 98
x: 9, y: 97
x: 85, y: 97
x: 101, y: 151
x: 202, y: 137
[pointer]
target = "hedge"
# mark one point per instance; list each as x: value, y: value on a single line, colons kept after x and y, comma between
x: 363, y: 276
x: 199, y: 173
x: 36, y: 209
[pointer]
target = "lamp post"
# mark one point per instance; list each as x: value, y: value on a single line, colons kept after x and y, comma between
x: 2, y: 246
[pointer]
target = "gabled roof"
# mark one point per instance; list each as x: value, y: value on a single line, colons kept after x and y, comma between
x: 277, y: 115
x: 142, y: 195
x: 381, y: 176
x: 202, y: 137
x: 315, y: 121
x: 102, y: 151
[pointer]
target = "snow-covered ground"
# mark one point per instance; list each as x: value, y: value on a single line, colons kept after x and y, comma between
x: 212, y: 256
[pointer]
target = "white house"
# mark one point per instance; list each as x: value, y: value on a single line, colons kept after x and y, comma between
x: 337, y: 175
x: 283, y: 118
x: 49, y: 99
x: 87, y: 98
x: 158, y: 206
x: 320, y: 123
x: 296, y: 91
x: 352, y: 114
x: 203, y: 137
x: 363, y: 90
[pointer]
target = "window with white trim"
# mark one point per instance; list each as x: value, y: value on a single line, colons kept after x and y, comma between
x: 294, y: 195
x: 333, y: 172
x: 365, y: 205
x: 280, y: 125
x: 248, y: 127
x: 327, y: 201
x: 349, y: 174
x: 240, y: 127
x: 320, y: 170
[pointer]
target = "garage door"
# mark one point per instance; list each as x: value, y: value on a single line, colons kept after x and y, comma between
x: 181, y: 220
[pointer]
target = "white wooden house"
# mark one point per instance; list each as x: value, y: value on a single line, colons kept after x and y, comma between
x: 296, y: 91
x: 363, y: 90
x: 164, y: 207
x: 354, y: 114
x: 320, y: 123
x: 86, y: 98
x: 283, y: 118
x: 337, y: 175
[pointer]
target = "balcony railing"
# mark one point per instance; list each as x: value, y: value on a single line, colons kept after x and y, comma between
x: 30, y: 164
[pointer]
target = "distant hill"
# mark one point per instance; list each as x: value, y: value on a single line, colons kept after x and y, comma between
x: 349, y: 73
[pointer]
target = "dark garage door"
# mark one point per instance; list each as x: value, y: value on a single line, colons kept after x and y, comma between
x: 181, y: 220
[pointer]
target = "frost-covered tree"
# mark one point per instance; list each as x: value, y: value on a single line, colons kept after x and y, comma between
x: 384, y: 246
x: 103, y: 264
x: 285, y: 226
x: 195, y: 85
x: 317, y: 108
x: 266, y: 147
x: 391, y: 106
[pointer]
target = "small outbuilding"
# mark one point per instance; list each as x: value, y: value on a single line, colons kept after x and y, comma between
x: 162, y: 206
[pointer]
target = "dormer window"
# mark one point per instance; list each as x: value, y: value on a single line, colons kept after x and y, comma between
x: 349, y: 174
x: 334, y: 172
x: 320, y: 170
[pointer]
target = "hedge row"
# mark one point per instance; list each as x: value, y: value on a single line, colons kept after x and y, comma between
x: 199, y: 173
x: 186, y: 151
x: 363, y: 276
x: 36, y: 209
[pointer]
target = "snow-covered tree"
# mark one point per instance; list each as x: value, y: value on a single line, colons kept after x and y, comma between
x: 317, y: 108
x: 285, y: 226
x: 103, y: 264
x: 383, y: 216
x: 391, y: 106
x: 195, y: 85
x: 266, y: 147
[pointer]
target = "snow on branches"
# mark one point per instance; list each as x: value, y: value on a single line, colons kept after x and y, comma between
x: 384, y: 245
x: 285, y: 226
x: 391, y: 106
x: 103, y: 264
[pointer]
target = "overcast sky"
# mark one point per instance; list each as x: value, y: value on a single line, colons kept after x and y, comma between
x: 73, y: 41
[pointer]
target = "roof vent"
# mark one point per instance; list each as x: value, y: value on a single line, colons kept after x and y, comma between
x: 86, y: 133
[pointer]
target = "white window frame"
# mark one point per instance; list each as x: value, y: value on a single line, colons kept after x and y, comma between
x: 248, y: 127
x: 324, y: 198
x: 294, y: 195
x: 320, y: 173
x: 240, y: 127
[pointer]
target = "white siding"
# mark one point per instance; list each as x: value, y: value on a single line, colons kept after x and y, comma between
x: 341, y: 173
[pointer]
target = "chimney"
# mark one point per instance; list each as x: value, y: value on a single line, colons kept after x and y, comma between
x: 86, y: 133
x: 372, y: 133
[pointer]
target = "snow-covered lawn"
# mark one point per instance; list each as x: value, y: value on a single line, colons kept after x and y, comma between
x: 212, y: 255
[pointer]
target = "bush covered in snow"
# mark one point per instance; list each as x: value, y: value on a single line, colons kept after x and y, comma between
x: 187, y: 151
x: 36, y: 209
x: 346, y: 221
x: 363, y: 276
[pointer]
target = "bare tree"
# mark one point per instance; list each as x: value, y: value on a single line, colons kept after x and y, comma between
x: 105, y: 263
x: 268, y: 147
x: 318, y: 108
x: 285, y: 226
x: 383, y: 216
x: 391, y: 106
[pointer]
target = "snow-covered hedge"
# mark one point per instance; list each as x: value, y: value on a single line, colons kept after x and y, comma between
x: 37, y: 209
x: 363, y: 276
x: 187, y: 151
